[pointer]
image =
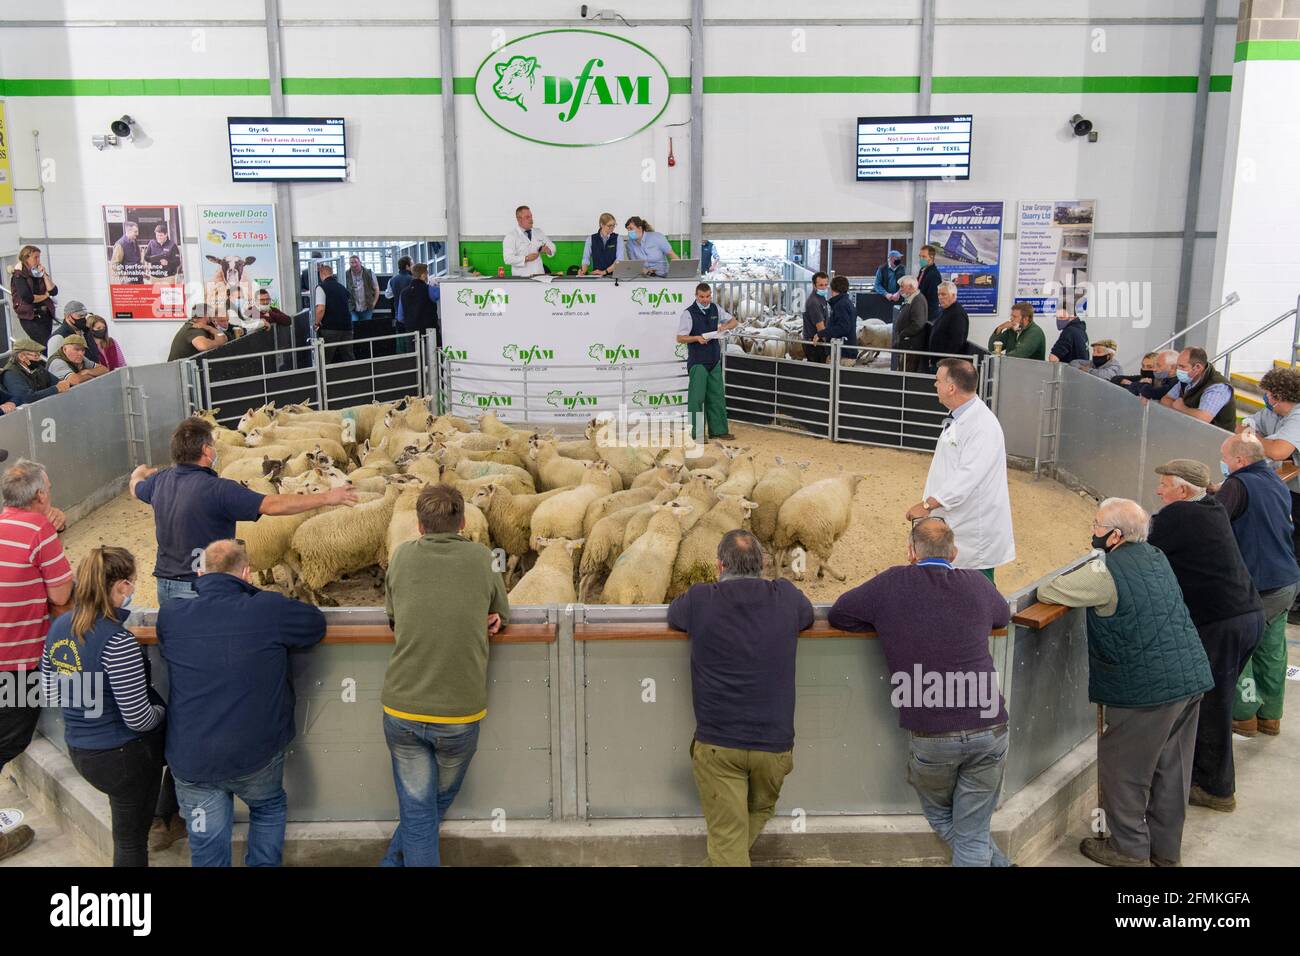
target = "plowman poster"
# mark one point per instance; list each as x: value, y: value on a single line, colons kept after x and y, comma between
x: 967, y: 237
x: 146, y: 271
x: 1053, y: 252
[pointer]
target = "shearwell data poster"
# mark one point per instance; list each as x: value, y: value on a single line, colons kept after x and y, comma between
x: 146, y: 271
x: 967, y: 237
x: 238, y: 254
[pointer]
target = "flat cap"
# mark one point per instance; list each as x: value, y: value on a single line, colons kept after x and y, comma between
x: 75, y: 340
x: 28, y: 345
x: 1192, y: 472
x: 1106, y: 344
x: 74, y: 308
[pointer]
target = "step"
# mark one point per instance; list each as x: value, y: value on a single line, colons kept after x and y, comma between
x: 1244, y: 381
x: 1281, y: 363
x: 1247, y: 401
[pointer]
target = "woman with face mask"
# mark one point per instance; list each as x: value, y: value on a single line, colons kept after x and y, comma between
x: 33, y: 291
x: 96, y: 672
x: 108, y: 347
x: 650, y: 247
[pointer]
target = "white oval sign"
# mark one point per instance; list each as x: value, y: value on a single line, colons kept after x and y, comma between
x: 572, y: 88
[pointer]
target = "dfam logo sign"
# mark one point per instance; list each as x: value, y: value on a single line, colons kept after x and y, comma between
x: 647, y: 399
x: 572, y: 88
x: 526, y: 354
x: 487, y: 302
x: 454, y: 355
x: 568, y: 300
x: 656, y: 300
x: 560, y: 399
x: 612, y: 354
x: 485, y: 400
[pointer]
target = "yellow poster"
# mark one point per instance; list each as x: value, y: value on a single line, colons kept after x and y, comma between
x: 7, y: 212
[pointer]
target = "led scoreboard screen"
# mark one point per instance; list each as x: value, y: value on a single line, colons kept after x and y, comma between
x: 284, y: 149
x: 913, y: 147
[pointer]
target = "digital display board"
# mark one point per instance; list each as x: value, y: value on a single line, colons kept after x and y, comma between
x: 286, y: 148
x: 913, y: 147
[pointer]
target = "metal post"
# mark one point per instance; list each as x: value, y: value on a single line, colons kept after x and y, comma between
x: 919, y: 194
x: 622, y: 385
x: 568, y: 716
x: 283, y: 202
x: 40, y: 188
x: 1194, y: 162
x: 697, y: 127
x: 525, y: 377
x: 450, y: 171
x: 322, y: 387
x: 207, y: 385
x: 834, y: 404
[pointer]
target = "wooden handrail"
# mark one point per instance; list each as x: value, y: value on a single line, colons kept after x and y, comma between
x: 383, y: 634
x: 658, y: 631
x: 1038, y: 616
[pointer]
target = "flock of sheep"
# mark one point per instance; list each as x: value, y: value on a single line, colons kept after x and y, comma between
x: 575, y: 519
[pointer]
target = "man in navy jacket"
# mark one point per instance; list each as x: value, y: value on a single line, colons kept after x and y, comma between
x: 230, y: 710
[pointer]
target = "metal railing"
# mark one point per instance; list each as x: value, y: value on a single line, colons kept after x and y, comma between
x: 377, y: 377
x: 283, y: 376
x: 1231, y: 300
x: 783, y: 295
x: 1226, y: 355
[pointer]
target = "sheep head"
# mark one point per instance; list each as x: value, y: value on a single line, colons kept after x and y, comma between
x: 256, y: 437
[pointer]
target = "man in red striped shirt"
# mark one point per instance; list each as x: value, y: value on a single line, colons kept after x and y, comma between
x: 35, y: 582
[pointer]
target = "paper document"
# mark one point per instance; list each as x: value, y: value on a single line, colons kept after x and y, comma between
x: 712, y: 335
x: 542, y: 277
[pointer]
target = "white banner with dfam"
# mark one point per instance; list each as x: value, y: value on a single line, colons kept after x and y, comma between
x: 564, y: 350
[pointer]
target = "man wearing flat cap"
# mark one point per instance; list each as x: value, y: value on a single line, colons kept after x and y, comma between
x: 1103, y: 364
x: 26, y: 378
x: 73, y: 363
x: 1195, y: 533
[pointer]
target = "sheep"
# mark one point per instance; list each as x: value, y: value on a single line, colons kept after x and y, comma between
x: 618, y: 501
x: 370, y: 471
x: 550, y: 580
x: 553, y: 470
x: 642, y: 572
x: 696, y: 560
x: 249, y: 469
x: 340, y: 541
x: 561, y: 516
x: 475, y: 441
x: 467, y: 486
x: 454, y: 455
x: 662, y: 472
x: 261, y: 485
x: 605, y: 542
x: 628, y: 462
x: 256, y: 418
x: 509, y: 519
x: 374, y: 456
x: 813, y: 518
x: 415, y: 415
x: 444, y: 422
x: 320, y: 446
x: 777, y: 484
x: 229, y: 454
x: 477, y: 469
x: 279, y: 432
x: 697, y: 492
x: 741, y: 476
x: 267, y: 539
x: 365, y: 417
x: 423, y: 465
x: 398, y: 440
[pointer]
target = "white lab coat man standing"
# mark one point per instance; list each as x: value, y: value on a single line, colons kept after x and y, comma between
x: 523, y: 245
x: 967, y: 484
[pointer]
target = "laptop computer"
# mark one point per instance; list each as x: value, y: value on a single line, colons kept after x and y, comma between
x: 628, y: 269
x: 683, y: 268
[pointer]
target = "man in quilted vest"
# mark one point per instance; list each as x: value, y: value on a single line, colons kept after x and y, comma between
x: 1147, y: 667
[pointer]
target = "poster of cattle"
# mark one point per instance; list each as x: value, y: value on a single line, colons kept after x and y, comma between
x: 146, y: 271
x: 237, y: 252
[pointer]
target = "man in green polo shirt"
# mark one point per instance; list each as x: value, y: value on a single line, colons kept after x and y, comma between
x: 1020, y: 335
x: 444, y: 600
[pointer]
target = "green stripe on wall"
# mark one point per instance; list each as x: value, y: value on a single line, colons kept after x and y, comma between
x: 1266, y: 50
x: 464, y: 85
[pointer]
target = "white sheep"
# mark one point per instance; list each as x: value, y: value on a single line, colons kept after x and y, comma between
x: 320, y: 446
x: 550, y: 580
x: 423, y: 466
x: 227, y: 455
x: 561, y: 516
x: 777, y: 484
x: 696, y: 560
x: 696, y: 492
x: 618, y: 501
x: 340, y: 541
x: 510, y: 518
x: 553, y: 470
x: 642, y: 572
x: 741, y: 476
x: 605, y: 543
x: 298, y: 432
x: 813, y: 518
x: 256, y: 418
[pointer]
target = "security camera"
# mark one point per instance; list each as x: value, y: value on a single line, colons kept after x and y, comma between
x: 122, y: 128
x: 583, y: 12
x: 1083, y: 127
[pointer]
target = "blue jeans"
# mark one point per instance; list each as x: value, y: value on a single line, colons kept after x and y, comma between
x: 958, y: 779
x: 429, y: 764
x: 169, y: 588
x: 362, y: 316
x: 209, y: 810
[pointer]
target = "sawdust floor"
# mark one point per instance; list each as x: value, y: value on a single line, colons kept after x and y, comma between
x: 1051, y: 522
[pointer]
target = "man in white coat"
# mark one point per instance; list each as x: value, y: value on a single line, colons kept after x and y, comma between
x: 523, y: 245
x: 967, y: 484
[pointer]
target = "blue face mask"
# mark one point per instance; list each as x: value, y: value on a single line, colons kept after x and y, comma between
x: 824, y: 293
x: 1223, y: 467
x: 1062, y: 323
x: 632, y: 234
x: 129, y: 597
x: 1268, y: 404
x: 1184, y: 376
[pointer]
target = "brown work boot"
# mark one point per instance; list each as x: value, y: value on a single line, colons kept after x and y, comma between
x: 1104, y: 852
x: 15, y: 841
x: 1270, y: 727
x: 163, y: 834
x: 1200, y: 798
x: 1247, y: 728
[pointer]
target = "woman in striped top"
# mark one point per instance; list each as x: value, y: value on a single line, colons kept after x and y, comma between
x: 97, y: 673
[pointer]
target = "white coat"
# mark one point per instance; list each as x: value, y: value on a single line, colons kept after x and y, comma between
x: 968, y: 477
x: 515, y: 245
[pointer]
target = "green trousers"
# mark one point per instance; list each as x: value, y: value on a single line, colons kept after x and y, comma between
x: 1261, y: 688
x: 988, y: 573
x: 738, y: 791
x: 704, y: 395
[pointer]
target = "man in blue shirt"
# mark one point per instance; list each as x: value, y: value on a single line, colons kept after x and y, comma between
x: 230, y: 706
x: 193, y: 506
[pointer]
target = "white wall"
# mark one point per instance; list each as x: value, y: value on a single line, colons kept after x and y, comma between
x: 770, y: 158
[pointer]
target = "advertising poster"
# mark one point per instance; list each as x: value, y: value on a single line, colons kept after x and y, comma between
x: 564, y: 350
x: 237, y: 253
x: 146, y: 271
x: 967, y: 238
x: 7, y: 211
x: 1053, y: 251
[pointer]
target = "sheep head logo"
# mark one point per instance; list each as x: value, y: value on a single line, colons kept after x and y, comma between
x: 596, y: 352
x: 510, y: 352
x: 552, y: 296
x: 511, y: 77
x: 680, y: 350
x: 465, y: 296
x: 553, y: 397
x: 638, y: 295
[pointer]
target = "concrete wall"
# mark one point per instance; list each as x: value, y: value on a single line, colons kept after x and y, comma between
x: 778, y: 154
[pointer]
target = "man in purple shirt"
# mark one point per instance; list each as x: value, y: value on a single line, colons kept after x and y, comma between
x: 934, y: 622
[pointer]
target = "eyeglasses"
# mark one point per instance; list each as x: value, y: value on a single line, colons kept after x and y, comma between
x: 916, y: 521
